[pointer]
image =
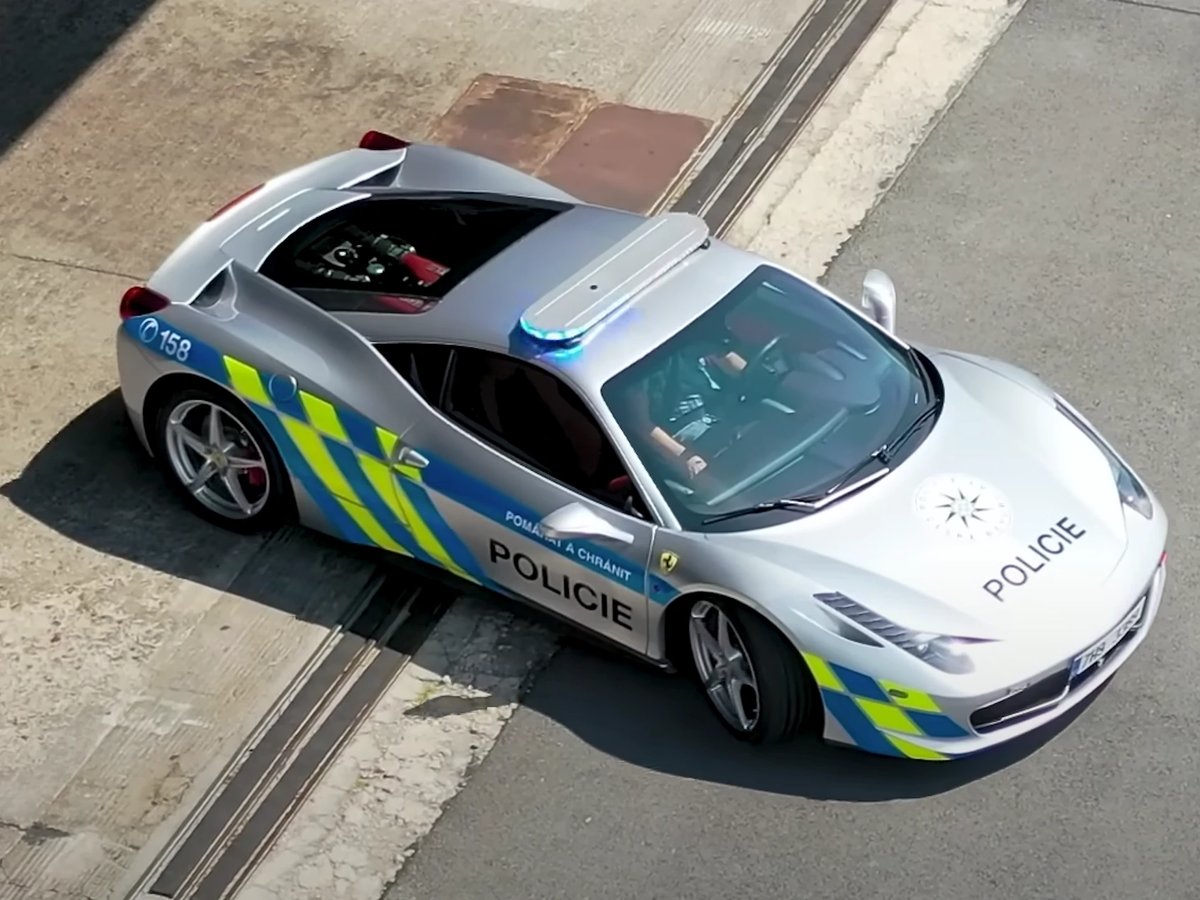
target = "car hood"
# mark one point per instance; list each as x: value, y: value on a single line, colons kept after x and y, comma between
x: 1004, y: 521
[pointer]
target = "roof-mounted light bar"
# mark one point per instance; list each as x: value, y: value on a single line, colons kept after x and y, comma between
x: 612, y: 279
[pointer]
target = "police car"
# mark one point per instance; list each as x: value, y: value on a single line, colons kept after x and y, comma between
x: 677, y: 445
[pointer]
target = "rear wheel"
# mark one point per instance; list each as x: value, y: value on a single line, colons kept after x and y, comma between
x: 753, y: 677
x: 219, y: 460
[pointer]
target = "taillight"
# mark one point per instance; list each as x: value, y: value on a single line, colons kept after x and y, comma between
x: 141, y: 301
x: 377, y: 140
x: 236, y: 200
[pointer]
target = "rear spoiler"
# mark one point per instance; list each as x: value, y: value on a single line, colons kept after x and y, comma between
x: 375, y: 163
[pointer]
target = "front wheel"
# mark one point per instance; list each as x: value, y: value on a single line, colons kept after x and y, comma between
x: 219, y: 460
x: 753, y: 677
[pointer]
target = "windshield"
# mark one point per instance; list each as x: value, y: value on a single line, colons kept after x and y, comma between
x: 776, y: 391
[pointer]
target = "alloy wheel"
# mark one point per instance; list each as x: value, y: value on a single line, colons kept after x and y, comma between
x: 217, y: 459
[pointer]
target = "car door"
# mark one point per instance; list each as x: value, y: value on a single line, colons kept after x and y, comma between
x: 538, y: 500
x: 333, y: 408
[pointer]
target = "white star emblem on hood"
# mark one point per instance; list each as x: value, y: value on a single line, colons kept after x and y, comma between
x: 962, y: 507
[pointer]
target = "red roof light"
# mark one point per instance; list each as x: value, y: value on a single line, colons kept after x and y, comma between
x: 378, y: 140
x: 141, y: 301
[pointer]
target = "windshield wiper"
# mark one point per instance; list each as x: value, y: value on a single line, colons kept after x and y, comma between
x: 883, y: 454
x: 844, y: 487
x: 808, y: 504
x: 768, y: 506
x: 887, y: 452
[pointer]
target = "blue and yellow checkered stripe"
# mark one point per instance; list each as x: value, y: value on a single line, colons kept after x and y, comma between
x: 877, y: 714
x: 340, y: 458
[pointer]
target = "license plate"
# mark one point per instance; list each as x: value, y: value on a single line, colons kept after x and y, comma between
x: 1101, y: 648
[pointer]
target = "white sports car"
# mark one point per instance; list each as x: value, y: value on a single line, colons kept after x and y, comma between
x: 672, y: 443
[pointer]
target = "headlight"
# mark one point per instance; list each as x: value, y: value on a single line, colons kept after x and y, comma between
x: 1133, y: 494
x: 942, y: 651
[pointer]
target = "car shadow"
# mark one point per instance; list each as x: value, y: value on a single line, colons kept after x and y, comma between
x: 94, y: 484
x: 46, y: 46
x: 662, y: 723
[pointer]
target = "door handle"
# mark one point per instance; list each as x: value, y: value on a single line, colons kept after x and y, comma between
x: 407, y: 457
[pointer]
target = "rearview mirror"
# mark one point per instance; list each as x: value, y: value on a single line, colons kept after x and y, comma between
x: 879, y: 299
x: 576, y: 521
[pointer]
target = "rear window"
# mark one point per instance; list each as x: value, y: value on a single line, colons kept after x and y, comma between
x: 400, y: 254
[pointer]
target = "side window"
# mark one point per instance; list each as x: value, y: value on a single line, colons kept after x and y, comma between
x: 528, y: 413
x: 423, y: 366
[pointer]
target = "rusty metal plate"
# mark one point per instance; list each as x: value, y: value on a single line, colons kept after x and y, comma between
x: 515, y: 121
x: 625, y: 156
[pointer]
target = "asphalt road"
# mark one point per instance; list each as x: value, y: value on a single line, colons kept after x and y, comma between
x: 1053, y: 219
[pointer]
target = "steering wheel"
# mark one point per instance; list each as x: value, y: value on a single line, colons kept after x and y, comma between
x: 755, y: 375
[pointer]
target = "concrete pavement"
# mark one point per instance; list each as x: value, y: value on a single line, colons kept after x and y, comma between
x: 139, y: 646
x: 1051, y: 219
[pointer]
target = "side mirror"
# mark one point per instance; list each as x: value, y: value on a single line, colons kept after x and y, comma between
x: 879, y: 299
x: 575, y: 521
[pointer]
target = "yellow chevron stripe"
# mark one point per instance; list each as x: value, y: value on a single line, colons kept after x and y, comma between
x: 886, y: 716
x: 822, y: 673
x: 915, y: 751
x: 424, y: 534
x: 246, y: 381
x: 387, y: 441
x: 908, y: 698
x: 381, y: 479
x: 392, y: 494
x: 316, y: 454
x: 324, y: 417
x: 371, y: 528
x: 309, y: 443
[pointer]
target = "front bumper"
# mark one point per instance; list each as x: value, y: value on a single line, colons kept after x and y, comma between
x: 918, y: 726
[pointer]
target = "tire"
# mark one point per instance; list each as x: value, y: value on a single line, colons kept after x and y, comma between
x: 265, y: 487
x: 787, y: 699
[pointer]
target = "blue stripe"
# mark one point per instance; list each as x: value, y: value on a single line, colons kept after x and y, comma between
x: 857, y: 725
x: 936, y: 725
x: 361, y: 432
x: 444, y: 533
x: 203, y: 358
x: 859, y: 684
x: 303, y: 473
x: 481, y: 498
x: 291, y: 407
x: 660, y: 591
x: 347, y: 462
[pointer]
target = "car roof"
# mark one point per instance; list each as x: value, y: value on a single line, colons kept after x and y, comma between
x: 539, y: 239
x: 486, y: 308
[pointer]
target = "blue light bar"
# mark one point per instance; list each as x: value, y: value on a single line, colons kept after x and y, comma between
x: 612, y: 279
x: 551, y: 337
